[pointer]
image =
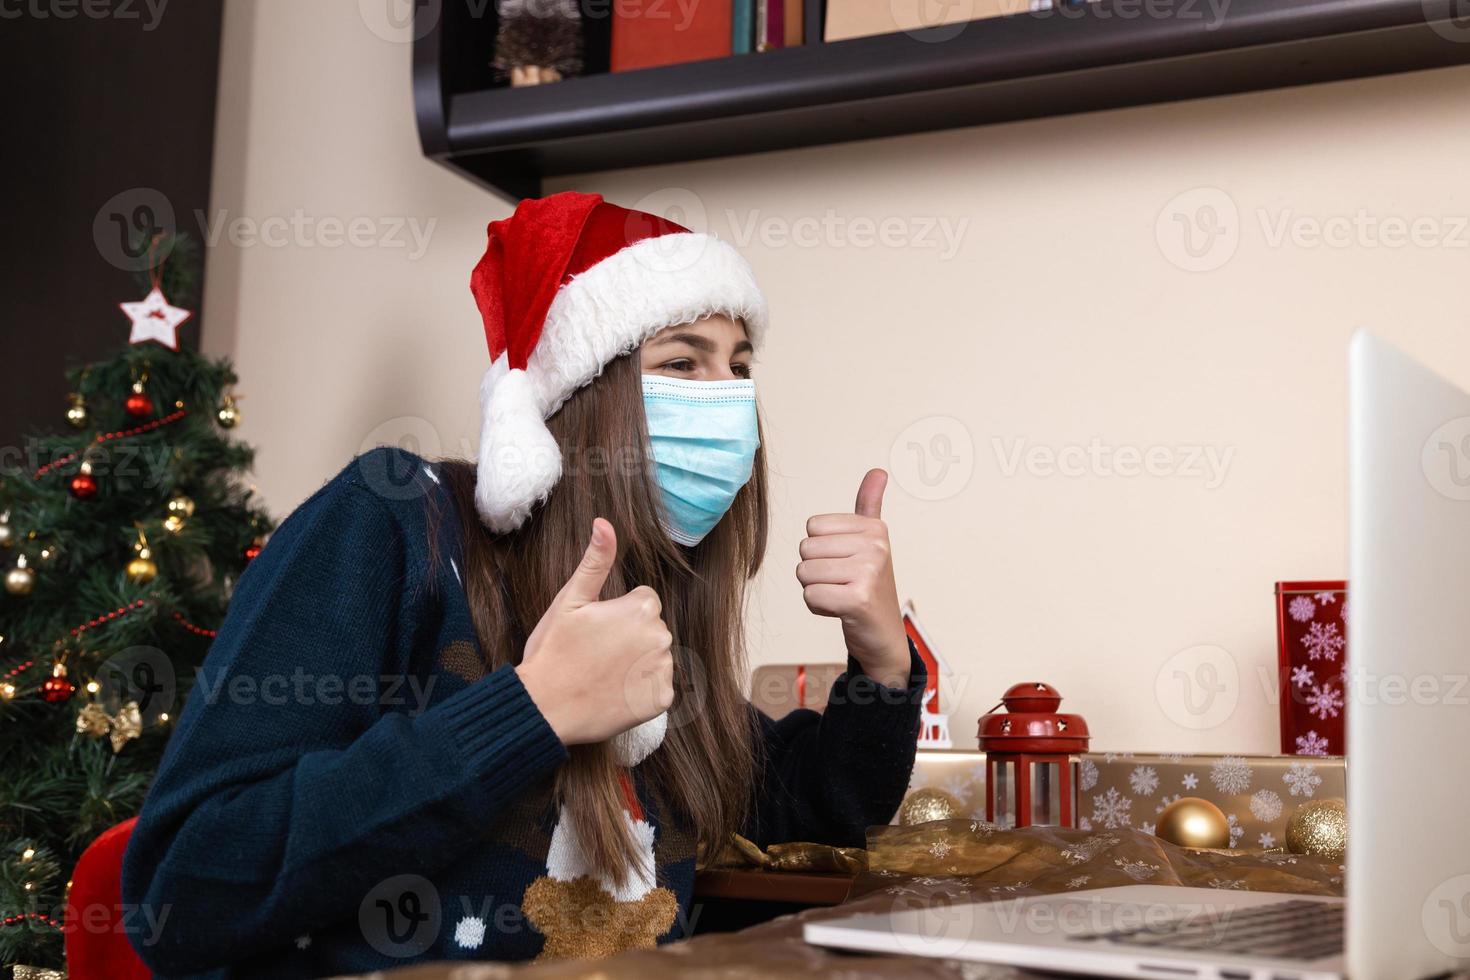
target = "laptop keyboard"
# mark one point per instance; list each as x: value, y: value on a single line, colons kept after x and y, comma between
x: 1293, y: 930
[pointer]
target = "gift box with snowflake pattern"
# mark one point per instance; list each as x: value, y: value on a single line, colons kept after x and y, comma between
x: 1311, y: 636
x: 1258, y: 794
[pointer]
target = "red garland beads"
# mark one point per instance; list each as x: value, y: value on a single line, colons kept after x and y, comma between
x: 108, y: 617
x: 106, y: 436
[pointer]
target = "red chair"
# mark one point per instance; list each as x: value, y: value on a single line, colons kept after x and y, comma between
x: 96, y: 946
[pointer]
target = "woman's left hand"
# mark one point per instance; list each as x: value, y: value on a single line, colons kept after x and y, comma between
x: 846, y: 571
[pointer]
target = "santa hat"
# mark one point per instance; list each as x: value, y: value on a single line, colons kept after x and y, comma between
x: 566, y: 284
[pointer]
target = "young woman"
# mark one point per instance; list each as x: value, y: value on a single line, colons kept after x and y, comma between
x: 494, y: 710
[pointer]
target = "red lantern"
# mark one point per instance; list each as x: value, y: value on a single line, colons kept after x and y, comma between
x: 1030, y: 778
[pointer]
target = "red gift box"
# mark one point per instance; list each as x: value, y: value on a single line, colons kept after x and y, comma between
x: 1311, y: 636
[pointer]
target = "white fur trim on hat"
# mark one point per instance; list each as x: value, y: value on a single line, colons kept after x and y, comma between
x: 640, y: 741
x: 601, y: 314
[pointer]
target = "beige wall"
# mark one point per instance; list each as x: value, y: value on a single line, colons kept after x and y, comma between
x: 1062, y: 315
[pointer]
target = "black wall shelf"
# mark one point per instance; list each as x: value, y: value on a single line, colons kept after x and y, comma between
x: 1104, y: 55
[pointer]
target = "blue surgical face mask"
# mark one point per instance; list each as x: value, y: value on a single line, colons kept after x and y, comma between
x: 704, y: 437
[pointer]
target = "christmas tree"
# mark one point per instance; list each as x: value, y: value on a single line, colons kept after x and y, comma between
x: 121, y: 534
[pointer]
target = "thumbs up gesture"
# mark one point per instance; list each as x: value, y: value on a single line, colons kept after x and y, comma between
x: 846, y: 571
x: 596, y: 667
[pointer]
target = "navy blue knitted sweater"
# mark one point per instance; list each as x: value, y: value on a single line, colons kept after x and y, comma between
x: 348, y: 789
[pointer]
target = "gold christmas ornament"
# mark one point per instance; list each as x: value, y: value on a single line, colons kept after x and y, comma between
x: 229, y: 413
x: 1319, y: 827
x: 22, y: 972
x: 142, y: 569
x: 180, y: 509
x: 925, y: 805
x: 123, y: 727
x: 7, y: 533
x: 1192, y: 822
x: 76, y: 410
x: 20, y: 579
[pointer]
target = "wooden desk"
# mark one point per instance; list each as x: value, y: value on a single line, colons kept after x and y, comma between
x: 728, y: 899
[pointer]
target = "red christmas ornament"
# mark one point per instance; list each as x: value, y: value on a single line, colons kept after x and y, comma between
x: 253, y: 550
x: 84, y: 484
x: 56, y: 688
x: 139, y: 405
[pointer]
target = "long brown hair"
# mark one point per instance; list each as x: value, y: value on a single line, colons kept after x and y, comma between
x: 705, y: 768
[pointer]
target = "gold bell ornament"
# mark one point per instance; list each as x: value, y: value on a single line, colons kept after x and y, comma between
x: 1319, y: 827
x: 928, y: 804
x: 1192, y: 822
x: 142, y: 569
x: 180, y: 509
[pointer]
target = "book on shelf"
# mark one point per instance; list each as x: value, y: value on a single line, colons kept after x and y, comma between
x: 648, y: 33
x: 863, y: 18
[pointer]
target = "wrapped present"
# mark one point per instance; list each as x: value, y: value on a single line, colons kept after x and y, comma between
x: 1258, y: 794
x: 1311, y: 632
x: 779, y: 689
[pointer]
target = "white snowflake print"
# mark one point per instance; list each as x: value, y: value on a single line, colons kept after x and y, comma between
x: 1083, y: 823
x: 1267, y: 840
x: 1087, y: 774
x: 1302, y: 609
x: 303, y: 942
x: 1137, y: 870
x: 1236, y: 830
x: 1231, y: 774
x: 1303, y: 676
x: 1266, y: 805
x: 1326, y: 598
x: 1227, y: 885
x: 1079, y: 881
x: 1146, y: 828
x: 1172, y: 756
x: 1112, y: 809
x: 1323, y: 641
x: 1344, y: 610
x: 1164, y: 802
x: 1144, y: 780
x: 1090, y: 848
x: 469, y: 932
x: 1325, y: 701
x: 1190, y: 780
x: 1311, y: 744
x: 1302, y: 778
x: 941, y: 848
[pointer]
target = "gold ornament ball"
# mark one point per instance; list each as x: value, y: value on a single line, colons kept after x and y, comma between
x: 142, y: 570
x: 924, y: 805
x: 20, y: 580
x: 228, y: 414
x: 1318, y: 827
x: 180, y: 509
x: 1192, y: 822
x: 76, y: 412
x: 7, y: 534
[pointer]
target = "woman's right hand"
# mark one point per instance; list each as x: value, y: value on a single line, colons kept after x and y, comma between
x: 594, y: 667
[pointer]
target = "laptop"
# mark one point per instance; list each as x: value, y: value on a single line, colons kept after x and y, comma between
x: 1408, y: 863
